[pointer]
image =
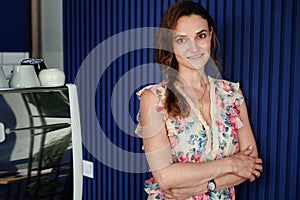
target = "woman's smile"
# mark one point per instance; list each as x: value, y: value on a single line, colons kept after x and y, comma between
x: 194, y: 57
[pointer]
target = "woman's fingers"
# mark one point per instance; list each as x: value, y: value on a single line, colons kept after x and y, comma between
x: 258, y: 160
x: 257, y: 173
x: 247, y: 166
x: 259, y: 167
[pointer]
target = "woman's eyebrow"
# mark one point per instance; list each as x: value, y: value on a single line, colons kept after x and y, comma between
x: 183, y: 35
x: 204, y: 30
x: 179, y: 35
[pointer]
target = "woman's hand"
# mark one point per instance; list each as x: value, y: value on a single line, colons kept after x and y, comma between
x: 168, y: 195
x: 179, y: 194
x: 247, y: 166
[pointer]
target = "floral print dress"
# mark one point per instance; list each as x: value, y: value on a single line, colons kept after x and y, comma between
x: 193, y: 140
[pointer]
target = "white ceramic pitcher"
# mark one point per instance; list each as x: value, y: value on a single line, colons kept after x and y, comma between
x: 3, y: 81
x: 24, y: 76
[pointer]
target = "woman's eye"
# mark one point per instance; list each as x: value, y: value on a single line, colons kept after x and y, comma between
x: 180, y: 40
x: 202, y: 36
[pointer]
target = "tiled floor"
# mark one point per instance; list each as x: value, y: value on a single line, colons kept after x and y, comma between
x: 9, y: 59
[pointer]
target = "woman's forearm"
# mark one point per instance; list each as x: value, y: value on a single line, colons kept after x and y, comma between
x: 186, y: 175
x: 228, y: 181
x: 223, y: 182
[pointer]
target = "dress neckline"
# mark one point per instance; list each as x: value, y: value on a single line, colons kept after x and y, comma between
x: 194, y: 108
x: 210, y: 129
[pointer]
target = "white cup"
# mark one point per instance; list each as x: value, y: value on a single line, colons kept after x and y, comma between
x: 24, y: 76
x: 52, y: 77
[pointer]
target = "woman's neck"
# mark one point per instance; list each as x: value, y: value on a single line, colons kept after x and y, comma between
x: 193, y: 77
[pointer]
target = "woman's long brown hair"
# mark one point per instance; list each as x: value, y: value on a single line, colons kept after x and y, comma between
x: 175, y: 103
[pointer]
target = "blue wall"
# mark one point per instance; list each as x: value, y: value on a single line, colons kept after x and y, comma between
x: 260, y: 49
x: 14, y: 22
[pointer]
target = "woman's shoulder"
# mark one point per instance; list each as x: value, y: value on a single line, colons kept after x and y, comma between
x: 227, y: 92
x: 158, y: 89
x: 226, y: 85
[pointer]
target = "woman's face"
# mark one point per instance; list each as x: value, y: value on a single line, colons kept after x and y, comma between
x: 191, y: 42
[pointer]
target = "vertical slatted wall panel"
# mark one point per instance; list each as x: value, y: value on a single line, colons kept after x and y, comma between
x: 260, y: 49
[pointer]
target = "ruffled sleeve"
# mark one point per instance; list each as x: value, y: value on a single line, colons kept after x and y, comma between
x: 226, y: 94
x: 158, y: 90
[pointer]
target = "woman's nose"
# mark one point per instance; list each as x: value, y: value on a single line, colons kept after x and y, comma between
x: 194, y: 46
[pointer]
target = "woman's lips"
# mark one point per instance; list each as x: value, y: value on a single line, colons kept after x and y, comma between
x: 195, y: 56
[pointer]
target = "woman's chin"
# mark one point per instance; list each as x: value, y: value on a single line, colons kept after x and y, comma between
x: 197, y: 64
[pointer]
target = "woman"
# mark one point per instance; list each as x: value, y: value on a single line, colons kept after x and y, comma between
x: 196, y: 132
